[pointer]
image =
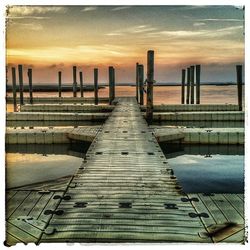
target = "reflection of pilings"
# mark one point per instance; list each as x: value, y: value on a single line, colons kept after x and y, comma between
x: 60, y: 84
x: 174, y: 150
x: 14, y: 88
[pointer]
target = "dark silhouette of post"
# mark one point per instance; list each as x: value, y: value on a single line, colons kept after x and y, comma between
x: 198, y: 78
x: 136, y: 82
x: 96, y: 85
x: 111, y: 84
x: 20, y: 74
x: 14, y: 88
x: 74, y: 82
x: 192, y: 83
x: 239, y: 85
x: 60, y: 84
x: 188, y: 86
x: 30, y: 85
x: 81, y: 83
x: 150, y: 82
x: 141, y: 82
x: 183, y: 76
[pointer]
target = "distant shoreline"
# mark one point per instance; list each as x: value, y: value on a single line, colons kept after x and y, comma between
x: 89, y: 87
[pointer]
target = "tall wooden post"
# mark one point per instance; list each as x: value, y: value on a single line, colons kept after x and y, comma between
x: 141, y: 82
x: 198, y: 77
x: 96, y: 85
x: 111, y: 84
x: 30, y: 85
x: 81, y: 83
x: 192, y: 83
x: 74, y: 82
x: 183, y: 76
x: 239, y: 85
x: 14, y: 88
x: 20, y: 73
x: 60, y: 84
x: 150, y: 82
x: 136, y: 82
x: 188, y: 86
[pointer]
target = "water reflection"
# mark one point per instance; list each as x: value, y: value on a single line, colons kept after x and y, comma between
x: 29, y: 164
x: 207, y: 168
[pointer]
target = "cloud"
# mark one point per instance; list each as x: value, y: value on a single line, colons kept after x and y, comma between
x: 120, y: 8
x: 30, y: 10
x: 132, y: 30
x: 90, y: 8
x: 198, y: 24
x: 29, y: 17
x: 29, y: 26
x: 221, y: 20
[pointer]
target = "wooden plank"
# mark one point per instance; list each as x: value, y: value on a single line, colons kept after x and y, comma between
x: 238, y: 237
x: 236, y: 202
x: 10, y: 194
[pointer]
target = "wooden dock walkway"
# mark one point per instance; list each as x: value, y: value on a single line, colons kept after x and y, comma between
x: 124, y: 191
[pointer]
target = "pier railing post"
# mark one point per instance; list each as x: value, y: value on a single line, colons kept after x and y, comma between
x: 81, y: 83
x: 20, y: 74
x: 198, y: 77
x: 188, y: 86
x: 60, y: 84
x: 192, y: 83
x: 183, y: 76
x: 239, y: 85
x: 150, y: 82
x: 14, y: 88
x: 111, y: 94
x: 136, y: 82
x: 113, y: 83
x: 141, y: 82
x: 74, y: 82
x: 30, y: 85
x: 96, y: 85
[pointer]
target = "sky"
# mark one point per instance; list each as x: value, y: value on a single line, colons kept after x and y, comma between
x: 49, y: 39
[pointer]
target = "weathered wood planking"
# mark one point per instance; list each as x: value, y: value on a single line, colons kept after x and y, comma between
x: 226, y: 216
x: 125, y: 189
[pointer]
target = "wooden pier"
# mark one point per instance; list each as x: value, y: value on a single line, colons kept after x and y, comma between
x: 124, y: 191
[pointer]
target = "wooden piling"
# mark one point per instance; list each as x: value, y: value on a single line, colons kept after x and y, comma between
x: 141, y: 82
x: 192, y: 84
x: 198, y: 77
x: 239, y: 85
x: 81, y: 83
x: 183, y: 76
x: 188, y: 86
x: 96, y: 85
x: 20, y: 73
x: 74, y: 82
x: 150, y: 82
x: 30, y: 85
x: 60, y: 84
x: 14, y: 88
x: 111, y: 84
x: 136, y: 82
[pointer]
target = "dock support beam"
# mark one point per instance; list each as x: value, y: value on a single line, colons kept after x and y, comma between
x: 81, y: 83
x: 96, y: 85
x: 137, y: 82
x: 111, y: 84
x: 74, y: 82
x: 192, y: 83
x: 141, y: 82
x: 198, y: 77
x: 150, y: 82
x: 30, y: 85
x: 183, y: 76
x: 60, y: 84
x: 188, y: 86
x: 14, y: 88
x: 239, y: 85
x: 20, y: 73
